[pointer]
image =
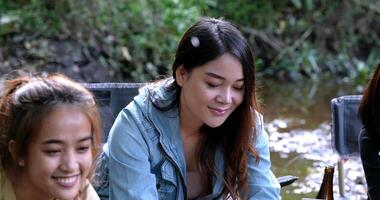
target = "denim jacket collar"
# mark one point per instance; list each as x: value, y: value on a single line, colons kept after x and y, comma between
x: 170, y: 139
x: 167, y: 124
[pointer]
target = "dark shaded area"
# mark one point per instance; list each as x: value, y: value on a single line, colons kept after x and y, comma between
x: 65, y: 56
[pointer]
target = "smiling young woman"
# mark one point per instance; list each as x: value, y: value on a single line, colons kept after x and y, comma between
x: 198, y: 134
x: 49, y: 136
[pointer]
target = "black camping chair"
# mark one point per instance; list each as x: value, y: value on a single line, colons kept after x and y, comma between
x: 113, y: 97
x: 346, y: 127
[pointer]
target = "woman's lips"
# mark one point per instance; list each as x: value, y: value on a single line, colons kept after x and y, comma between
x: 218, y: 111
x: 67, y: 182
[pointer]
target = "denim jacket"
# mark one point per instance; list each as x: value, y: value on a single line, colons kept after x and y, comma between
x: 145, y: 159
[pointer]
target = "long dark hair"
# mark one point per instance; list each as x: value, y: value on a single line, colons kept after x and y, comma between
x: 27, y: 99
x: 205, y: 41
x: 369, y: 110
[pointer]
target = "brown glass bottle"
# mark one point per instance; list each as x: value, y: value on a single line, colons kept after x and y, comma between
x: 326, y: 189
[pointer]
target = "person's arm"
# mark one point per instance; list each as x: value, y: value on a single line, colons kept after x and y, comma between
x: 262, y: 184
x: 129, y: 167
x: 369, y: 153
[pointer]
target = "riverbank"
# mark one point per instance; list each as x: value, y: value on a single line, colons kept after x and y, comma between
x: 297, y: 118
x: 312, y: 151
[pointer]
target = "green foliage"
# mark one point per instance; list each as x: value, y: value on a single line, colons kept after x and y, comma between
x: 309, y: 38
x: 146, y: 34
x: 291, y: 38
x: 136, y: 37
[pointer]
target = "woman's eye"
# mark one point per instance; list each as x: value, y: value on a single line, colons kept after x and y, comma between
x: 212, y: 85
x: 52, y: 152
x: 239, y: 87
x: 83, y: 149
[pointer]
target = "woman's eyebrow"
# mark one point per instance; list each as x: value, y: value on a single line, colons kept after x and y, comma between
x: 214, y: 75
x: 220, y: 77
x: 86, y: 138
x: 55, y: 141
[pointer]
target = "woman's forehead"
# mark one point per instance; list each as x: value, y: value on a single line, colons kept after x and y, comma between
x: 223, y: 67
x: 64, y: 123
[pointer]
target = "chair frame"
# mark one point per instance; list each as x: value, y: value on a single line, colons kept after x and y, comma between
x: 345, y: 130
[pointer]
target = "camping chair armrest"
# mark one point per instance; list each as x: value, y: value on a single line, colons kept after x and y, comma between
x: 286, y: 180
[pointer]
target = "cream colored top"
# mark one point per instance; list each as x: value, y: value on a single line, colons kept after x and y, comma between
x: 6, y: 189
x: 7, y: 192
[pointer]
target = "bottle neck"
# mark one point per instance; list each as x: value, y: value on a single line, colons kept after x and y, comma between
x: 326, y: 189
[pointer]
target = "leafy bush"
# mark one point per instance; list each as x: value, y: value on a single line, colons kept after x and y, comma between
x: 309, y: 38
x: 137, y: 38
x: 291, y: 38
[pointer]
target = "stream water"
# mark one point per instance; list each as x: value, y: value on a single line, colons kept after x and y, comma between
x: 298, y: 121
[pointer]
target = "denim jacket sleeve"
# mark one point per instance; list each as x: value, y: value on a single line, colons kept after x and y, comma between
x: 131, y: 177
x: 262, y: 184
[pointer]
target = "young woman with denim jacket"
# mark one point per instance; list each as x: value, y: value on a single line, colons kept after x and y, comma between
x: 197, y: 135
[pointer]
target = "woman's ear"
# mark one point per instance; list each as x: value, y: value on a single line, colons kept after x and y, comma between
x: 12, y: 148
x: 180, y: 75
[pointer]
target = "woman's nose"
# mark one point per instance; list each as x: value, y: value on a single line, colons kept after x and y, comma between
x: 225, y: 96
x: 69, y: 162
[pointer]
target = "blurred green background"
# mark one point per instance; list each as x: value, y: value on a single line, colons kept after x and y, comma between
x: 314, y: 49
x: 125, y: 40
